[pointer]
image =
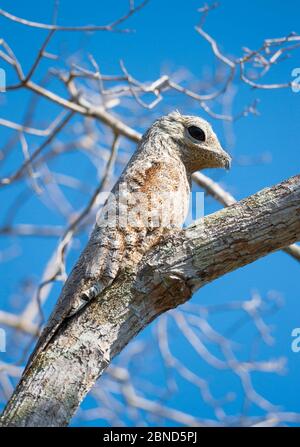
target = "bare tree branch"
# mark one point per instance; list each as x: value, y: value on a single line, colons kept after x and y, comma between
x: 224, y: 197
x: 113, y: 26
x: 60, y: 376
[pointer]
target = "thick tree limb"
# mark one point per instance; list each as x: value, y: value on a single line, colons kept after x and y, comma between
x: 218, y: 193
x: 56, y: 382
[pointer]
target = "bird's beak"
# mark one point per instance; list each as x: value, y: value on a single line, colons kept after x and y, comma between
x: 225, y: 158
x: 227, y: 162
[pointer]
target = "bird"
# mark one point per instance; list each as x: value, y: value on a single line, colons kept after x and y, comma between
x: 137, y: 214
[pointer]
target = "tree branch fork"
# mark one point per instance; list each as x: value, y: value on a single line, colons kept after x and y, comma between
x: 53, y: 386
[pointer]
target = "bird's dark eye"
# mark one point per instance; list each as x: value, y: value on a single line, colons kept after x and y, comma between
x: 196, y: 133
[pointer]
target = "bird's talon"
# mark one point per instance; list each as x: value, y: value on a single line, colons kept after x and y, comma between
x: 92, y: 292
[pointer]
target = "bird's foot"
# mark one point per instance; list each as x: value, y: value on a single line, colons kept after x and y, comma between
x: 85, y: 298
x: 92, y: 292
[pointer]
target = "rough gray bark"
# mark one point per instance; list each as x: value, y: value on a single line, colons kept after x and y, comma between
x: 59, y: 378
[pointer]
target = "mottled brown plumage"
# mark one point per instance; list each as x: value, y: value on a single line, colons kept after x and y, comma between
x: 170, y: 151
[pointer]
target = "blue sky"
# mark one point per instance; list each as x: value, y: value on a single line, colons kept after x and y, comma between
x: 165, y: 37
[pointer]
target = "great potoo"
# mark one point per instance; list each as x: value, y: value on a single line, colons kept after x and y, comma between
x: 140, y: 210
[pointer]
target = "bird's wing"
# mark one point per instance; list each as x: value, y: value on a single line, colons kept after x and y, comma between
x: 101, y: 255
x: 104, y: 252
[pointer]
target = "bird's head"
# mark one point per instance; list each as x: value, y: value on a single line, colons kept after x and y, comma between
x: 195, y: 140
